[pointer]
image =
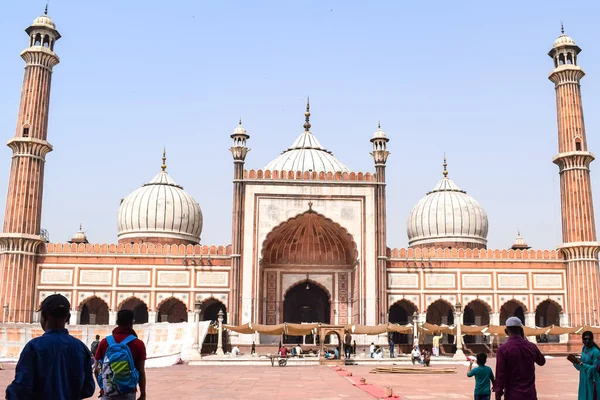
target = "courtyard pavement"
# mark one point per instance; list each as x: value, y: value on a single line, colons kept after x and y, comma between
x: 556, y: 380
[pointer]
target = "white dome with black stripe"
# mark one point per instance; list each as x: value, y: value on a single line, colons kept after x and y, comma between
x: 160, y: 209
x: 306, y: 154
x: 447, y: 214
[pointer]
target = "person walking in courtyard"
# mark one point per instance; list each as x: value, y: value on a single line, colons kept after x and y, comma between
x: 587, y: 365
x: 515, y: 364
x: 348, y: 344
x: 483, y: 377
x: 436, y: 344
x: 55, y: 365
x: 391, y: 343
x: 372, y: 350
x: 111, y: 352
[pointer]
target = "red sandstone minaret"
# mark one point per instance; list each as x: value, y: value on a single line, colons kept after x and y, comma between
x: 380, y: 155
x: 578, y: 227
x: 21, y: 238
x: 239, y: 150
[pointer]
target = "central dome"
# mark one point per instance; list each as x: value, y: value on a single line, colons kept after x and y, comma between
x: 160, y: 212
x: 447, y: 217
x: 306, y: 155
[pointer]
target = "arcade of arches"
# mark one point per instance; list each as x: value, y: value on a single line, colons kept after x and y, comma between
x: 308, y: 267
x: 478, y: 313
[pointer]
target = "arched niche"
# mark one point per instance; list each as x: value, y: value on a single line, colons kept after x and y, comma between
x: 139, y: 308
x: 512, y: 308
x: 172, y: 310
x: 93, y: 311
x: 477, y: 312
x: 401, y: 312
x: 547, y: 313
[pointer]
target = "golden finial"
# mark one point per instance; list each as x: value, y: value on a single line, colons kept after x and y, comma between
x: 307, y: 115
x: 164, y: 160
x: 445, y: 165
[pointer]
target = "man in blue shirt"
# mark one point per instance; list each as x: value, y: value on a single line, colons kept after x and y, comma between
x: 54, y: 366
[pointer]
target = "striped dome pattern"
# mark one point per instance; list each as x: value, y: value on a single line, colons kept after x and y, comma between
x: 306, y: 154
x: 447, y: 214
x: 160, y: 209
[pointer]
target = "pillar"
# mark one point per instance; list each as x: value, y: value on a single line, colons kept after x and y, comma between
x: 112, y: 317
x: 380, y: 155
x: 239, y: 150
x: 21, y: 234
x: 74, y: 317
x: 152, y: 315
x: 220, y: 334
x: 495, y: 318
x: 458, y: 320
x: 580, y: 247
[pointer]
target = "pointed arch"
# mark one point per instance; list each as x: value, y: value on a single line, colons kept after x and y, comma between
x: 547, y: 313
x: 139, y: 308
x: 172, y: 310
x: 93, y: 311
x: 401, y: 312
x: 440, y: 312
x: 309, y: 238
x: 512, y: 308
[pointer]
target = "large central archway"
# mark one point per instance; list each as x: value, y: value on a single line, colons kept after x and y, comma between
x: 308, y: 244
x: 306, y: 302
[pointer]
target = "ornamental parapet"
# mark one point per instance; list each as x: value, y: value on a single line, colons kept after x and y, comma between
x: 573, y: 160
x: 309, y: 176
x: 136, y: 249
x: 489, y: 254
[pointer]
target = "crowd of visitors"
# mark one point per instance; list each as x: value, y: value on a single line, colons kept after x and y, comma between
x: 58, y: 366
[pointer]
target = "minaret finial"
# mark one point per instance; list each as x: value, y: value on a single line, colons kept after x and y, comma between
x: 240, y: 123
x: 80, y: 227
x: 46, y: 9
x: 164, y: 159
x: 445, y: 165
x: 307, y: 116
x: 378, y: 124
x: 562, y: 28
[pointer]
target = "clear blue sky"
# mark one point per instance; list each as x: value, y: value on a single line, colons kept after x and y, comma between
x: 469, y: 80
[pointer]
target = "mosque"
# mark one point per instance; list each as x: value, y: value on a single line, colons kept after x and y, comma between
x: 309, y: 239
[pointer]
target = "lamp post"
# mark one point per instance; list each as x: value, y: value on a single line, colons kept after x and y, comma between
x: 458, y: 322
x: 220, y: 334
x: 197, y: 312
x: 415, y: 319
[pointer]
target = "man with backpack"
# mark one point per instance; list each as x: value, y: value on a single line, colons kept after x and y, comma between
x: 55, y: 365
x: 94, y: 345
x: 121, y: 359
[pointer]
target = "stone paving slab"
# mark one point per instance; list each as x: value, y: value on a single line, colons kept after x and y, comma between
x: 557, y: 380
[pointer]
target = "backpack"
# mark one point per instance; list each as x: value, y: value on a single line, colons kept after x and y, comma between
x: 94, y: 348
x: 118, y: 374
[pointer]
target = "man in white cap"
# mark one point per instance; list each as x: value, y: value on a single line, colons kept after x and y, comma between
x: 515, y: 364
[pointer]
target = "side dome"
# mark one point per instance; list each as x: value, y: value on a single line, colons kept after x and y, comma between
x: 447, y: 217
x: 160, y: 212
x: 306, y: 154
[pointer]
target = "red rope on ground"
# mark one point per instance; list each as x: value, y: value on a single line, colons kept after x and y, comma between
x: 373, y: 390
